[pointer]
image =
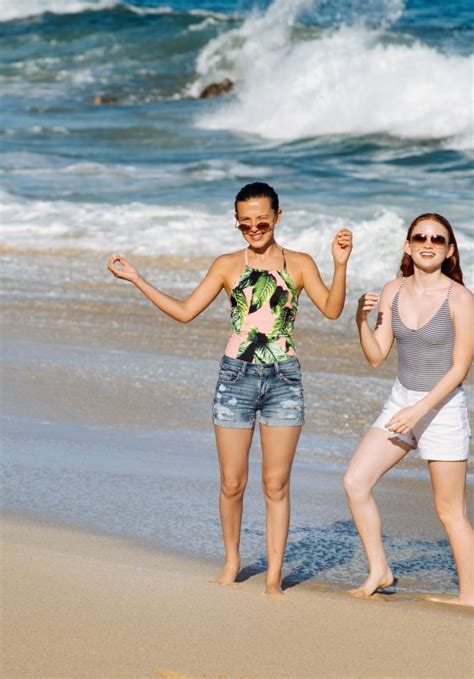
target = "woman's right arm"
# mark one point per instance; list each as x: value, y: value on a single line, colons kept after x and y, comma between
x: 181, y: 310
x: 376, y: 344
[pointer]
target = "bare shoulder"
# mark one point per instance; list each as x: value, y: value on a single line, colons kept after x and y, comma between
x: 228, y: 260
x: 389, y: 289
x: 298, y: 260
x: 460, y: 296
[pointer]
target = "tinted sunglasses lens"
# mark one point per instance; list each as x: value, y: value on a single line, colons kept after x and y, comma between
x: 437, y: 240
x: 418, y: 238
x: 262, y: 226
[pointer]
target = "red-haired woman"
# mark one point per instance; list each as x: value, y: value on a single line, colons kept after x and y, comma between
x: 429, y: 313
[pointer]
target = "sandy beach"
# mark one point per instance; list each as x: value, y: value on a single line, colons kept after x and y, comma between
x: 111, y: 533
x: 78, y: 604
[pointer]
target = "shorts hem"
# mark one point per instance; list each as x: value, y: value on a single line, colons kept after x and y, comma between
x: 233, y: 425
x: 400, y: 437
x: 281, y: 423
x: 441, y: 457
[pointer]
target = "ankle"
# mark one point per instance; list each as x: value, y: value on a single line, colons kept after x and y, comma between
x: 273, y: 577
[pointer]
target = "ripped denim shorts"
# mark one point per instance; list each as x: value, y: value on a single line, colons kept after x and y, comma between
x: 243, y: 389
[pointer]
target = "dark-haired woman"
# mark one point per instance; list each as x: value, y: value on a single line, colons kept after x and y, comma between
x: 259, y: 371
x: 429, y: 313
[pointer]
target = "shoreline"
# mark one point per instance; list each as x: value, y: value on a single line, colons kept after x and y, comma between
x: 81, y: 604
x: 107, y: 425
x: 161, y: 488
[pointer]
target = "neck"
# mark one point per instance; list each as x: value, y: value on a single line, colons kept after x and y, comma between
x: 266, y: 251
x: 424, y: 280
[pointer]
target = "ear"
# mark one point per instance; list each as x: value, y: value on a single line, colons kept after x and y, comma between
x: 279, y: 214
x: 450, y: 251
x: 407, y: 248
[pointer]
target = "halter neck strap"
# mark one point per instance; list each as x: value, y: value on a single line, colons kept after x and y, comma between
x: 282, y: 254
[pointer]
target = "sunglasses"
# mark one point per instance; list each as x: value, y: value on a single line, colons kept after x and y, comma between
x: 247, y: 228
x: 436, y: 240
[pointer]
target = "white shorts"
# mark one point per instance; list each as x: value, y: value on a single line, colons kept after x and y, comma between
x: 442, y: 434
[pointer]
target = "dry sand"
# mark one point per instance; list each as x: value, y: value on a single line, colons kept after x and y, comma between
x: 78, y: 604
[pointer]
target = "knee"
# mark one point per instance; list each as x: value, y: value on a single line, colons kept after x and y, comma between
x: 233, y: 487
x: 450, y: 514
x: 355, y: 486
x: 275, y: 490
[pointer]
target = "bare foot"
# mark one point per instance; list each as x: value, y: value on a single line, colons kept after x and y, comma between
x: 228, y: 573
x: 452, y: 600
x: 274, y: 589
x: 374, y: 583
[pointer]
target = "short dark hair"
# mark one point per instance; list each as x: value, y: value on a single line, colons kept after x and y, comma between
x: 258, y: 190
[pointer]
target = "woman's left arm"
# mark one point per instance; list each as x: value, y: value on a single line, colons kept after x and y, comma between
x: 329, y: 301
x: 462, y: 307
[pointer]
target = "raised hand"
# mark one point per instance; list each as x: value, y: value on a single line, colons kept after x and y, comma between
x: 342, y: 246
x: 366, y: 303
x: 120, y: 268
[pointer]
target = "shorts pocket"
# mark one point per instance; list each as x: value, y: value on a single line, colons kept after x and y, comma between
x: 290, y: 375
x: 227, y: 374
x: 453, y: 402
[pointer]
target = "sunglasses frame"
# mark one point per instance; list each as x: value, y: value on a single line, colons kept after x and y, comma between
x: 244, y: 228
x: 422, y: 238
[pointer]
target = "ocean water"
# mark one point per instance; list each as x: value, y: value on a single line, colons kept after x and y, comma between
x: 359, y: 112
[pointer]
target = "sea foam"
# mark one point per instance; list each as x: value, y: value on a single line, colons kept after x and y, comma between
x: 22, y: 9
x: 136, y: 228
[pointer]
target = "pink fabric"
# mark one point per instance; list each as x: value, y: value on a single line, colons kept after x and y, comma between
x: 262, y: 319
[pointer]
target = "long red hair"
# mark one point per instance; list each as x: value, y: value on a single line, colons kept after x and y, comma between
x: 451, y: 266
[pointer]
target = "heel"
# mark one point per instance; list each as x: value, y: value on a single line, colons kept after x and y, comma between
x: 388, y: 589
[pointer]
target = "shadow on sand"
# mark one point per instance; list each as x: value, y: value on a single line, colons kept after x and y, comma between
x: 314, y: 550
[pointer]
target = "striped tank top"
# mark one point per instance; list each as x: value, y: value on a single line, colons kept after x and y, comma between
x: 426, y: 354
x: 263, y: 312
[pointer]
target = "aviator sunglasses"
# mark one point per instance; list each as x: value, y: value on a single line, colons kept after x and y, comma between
x: 436, y: 239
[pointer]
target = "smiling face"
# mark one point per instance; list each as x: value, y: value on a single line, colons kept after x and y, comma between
x: 426, y: 247
x: 256, y: 219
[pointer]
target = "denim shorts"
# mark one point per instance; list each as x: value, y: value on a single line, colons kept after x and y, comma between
x: 442, y: 434
x: 243, y: 388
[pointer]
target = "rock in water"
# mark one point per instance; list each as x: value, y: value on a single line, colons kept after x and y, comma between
x: 216, y: 89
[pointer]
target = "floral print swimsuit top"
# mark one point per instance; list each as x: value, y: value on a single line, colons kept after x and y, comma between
x: 263, y: 312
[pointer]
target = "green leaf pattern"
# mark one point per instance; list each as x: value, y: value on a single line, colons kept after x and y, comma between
x: 263, y: 290
x: 256, y: 346
x: 239, y: 310
x: 270, y: 353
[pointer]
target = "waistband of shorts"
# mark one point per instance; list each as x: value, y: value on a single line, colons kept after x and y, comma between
x: 414, y: 392
x: 260, y: 368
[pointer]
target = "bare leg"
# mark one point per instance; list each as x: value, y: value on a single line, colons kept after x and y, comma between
x: 233, y: 447
x: 377, y: 453
x: 278, y: 448
x: 449, y: 487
